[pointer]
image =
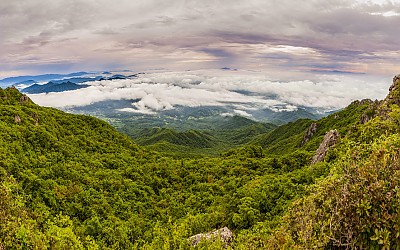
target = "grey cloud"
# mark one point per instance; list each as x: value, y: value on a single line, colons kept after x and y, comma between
x: 158, y: 33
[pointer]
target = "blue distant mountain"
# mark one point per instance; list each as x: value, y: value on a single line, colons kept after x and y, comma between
x: 53, y: 87
x: 27, y: 82
x: 227, y: 68
x: 116, y: 77
x: 39, y: 78
x: 78, y: 79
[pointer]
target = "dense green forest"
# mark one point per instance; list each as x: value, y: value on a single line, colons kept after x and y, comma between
x: 221, y: 135
x: 74, y: 182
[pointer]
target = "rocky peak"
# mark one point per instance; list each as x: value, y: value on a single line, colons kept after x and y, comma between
x: 330, y: 139
x: 309, y: 133
x: 362, y: 102
x: 395, y: 83
x: 394, y: 92
x: 12, y: 96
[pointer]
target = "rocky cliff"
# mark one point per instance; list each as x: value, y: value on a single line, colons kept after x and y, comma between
x: 331, y: 138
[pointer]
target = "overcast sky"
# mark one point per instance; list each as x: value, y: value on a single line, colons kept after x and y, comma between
x: 304, y: 37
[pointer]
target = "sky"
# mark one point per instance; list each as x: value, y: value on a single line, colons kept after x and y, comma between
x: 283, y: 38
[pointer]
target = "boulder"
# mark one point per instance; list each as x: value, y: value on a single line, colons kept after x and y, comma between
x: 224, y: 234
x: 17, y: 119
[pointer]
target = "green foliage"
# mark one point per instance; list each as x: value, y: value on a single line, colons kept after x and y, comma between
x: 358, y: 208
x: 357, y: 205
x: 191, y: 138
x: 287, y: 138
x: 74, y: 182
x: 81, y: 183
x: 220, y: 136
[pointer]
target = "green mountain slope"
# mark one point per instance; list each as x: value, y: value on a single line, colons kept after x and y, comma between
x: 288, y: 137
x: 190, y: 138
x: 223, y: 134
x: 356, y: 206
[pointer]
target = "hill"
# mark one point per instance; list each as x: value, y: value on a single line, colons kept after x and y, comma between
x: 222, y: 133
x: 190, y: 138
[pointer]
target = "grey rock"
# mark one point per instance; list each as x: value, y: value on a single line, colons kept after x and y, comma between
x: 393, y: 96
x: 309, y: 133
x: 17, y: 119
x: 224, y: 234
x: 394, y: 85
x: 364, y: 119
x: 330, y: 139
x: 24, y: 99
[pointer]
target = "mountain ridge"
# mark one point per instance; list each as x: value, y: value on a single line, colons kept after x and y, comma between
x: 53, y: 87
x: 39, y: 78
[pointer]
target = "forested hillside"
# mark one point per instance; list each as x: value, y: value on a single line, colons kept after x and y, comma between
x: 73, y: 182
x: 222, y: 135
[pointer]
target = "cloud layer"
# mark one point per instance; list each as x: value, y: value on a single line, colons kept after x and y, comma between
x: 313, y: 37
x: 241, y: 91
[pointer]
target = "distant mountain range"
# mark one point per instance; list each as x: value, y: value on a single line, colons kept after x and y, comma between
x: 27, y: 82
x: 53, y: 87
x: 58, y: 82
x: 76, y: 77
x: 122, y: 113
x: 38, y: 78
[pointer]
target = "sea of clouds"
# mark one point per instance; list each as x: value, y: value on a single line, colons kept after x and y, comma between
x: 244, y: 91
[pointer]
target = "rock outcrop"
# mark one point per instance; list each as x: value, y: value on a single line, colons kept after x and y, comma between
x: 24, y: 99
x: 393, y: 98
x: 331, y: 138
x: 394, y: 92
x: 364, y: 119
x: 224, y: 234
x: 17, y: 119
x: 309, y: 133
